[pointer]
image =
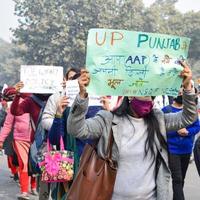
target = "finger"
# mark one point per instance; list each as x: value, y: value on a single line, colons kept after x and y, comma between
x: 64, y: 104
x: 183, y: 64
x: 65, y: 101
x: 65, y: 98
x: 84, y: 77
x: 84, y: 71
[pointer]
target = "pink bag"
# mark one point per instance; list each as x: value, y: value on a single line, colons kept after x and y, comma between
x: 57, y: 166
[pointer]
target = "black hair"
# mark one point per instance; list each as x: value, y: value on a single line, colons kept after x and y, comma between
x: 77, y: 75
x: 72, y: 69
x: 152, y: 127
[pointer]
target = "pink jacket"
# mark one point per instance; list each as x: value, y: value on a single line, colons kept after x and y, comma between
x: 22, y: 127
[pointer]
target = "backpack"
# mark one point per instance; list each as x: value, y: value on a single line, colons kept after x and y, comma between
x: 38, y: 146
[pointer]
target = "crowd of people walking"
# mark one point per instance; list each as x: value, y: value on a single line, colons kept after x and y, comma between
x: 151, y: 143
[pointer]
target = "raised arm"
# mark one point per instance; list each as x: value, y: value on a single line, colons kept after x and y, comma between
x: 176, y: 121
x: 19, y: 108
x: 77, y: 125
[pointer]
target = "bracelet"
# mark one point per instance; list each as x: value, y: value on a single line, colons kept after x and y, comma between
x: 58, y: 116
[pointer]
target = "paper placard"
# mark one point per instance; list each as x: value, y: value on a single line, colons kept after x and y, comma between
x: 41, y: 79
x: 72, y: 89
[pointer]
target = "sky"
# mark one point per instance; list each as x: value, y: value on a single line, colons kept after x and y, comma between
x: 9, y: 20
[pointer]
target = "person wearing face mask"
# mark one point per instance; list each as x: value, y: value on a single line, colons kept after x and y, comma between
x: 139, y: 132
x: 33, y: 105
x: 180, y: 146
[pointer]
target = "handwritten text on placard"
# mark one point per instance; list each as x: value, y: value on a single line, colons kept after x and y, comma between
x: 41, y: 79
x: 128, y: 63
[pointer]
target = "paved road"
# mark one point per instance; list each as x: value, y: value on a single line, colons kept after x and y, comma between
x: 192, y: 184
x: 9, y: 189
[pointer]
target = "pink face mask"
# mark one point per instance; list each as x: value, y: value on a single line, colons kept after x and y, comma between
x: 140, y: 107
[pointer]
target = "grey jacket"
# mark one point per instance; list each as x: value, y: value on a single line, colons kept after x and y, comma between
x: 100, y: 126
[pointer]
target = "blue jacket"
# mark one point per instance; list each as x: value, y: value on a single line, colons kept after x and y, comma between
x: 181, y: 144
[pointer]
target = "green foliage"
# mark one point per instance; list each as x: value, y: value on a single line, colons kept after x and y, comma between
x: 55, y: 32
x: 9, y: 65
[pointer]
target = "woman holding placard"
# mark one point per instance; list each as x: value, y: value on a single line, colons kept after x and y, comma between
x: 139, y: 145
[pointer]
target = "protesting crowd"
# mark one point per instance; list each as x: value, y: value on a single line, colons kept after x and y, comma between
x: 125, y: 148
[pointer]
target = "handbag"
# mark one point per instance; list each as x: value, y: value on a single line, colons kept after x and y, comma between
x: 56, y: 166
x: 96, y: 176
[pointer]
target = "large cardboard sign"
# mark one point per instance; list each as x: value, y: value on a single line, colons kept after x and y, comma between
x: 129, y: 63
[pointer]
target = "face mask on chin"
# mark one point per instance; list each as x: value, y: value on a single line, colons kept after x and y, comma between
x: 140, y: 107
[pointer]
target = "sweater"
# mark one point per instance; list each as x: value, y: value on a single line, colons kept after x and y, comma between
x: 22, y: 129
x: 178, y: 144
x: 28, y: 105
x: 138, y: 182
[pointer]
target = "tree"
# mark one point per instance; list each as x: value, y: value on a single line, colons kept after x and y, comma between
x: 9, y: 65
x: 55, y: 32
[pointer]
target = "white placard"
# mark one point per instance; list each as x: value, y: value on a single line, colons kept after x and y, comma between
x: 41, y: 79
x: 72, y: 89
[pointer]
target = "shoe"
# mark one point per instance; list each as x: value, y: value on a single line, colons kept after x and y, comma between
x: 34, y: 192
x: 23, y: 196
x: 12, y: 176
x: 16, y: 177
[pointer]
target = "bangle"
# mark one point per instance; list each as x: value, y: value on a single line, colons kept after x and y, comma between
x: 58, y: 116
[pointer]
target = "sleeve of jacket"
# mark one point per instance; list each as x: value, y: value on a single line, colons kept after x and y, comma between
x: 49, y: 112
x: 184, y: 118
x: 7, y: 127
x: 83, y: 128
x: 194, y: 128
x: 172, y: 134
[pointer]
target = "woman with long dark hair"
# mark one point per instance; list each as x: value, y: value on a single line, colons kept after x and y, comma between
x: 139, y: 133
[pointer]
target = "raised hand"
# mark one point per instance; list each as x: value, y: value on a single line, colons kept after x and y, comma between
x: 62, y: 104
x: 106, y: 102
x: 83, y: 81
x: 18, y: 86
x: 186, y: 74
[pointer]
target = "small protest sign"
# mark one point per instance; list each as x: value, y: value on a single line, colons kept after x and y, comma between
x: 41, y: 79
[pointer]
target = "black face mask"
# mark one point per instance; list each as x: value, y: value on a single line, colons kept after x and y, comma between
x: 179, y: 99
